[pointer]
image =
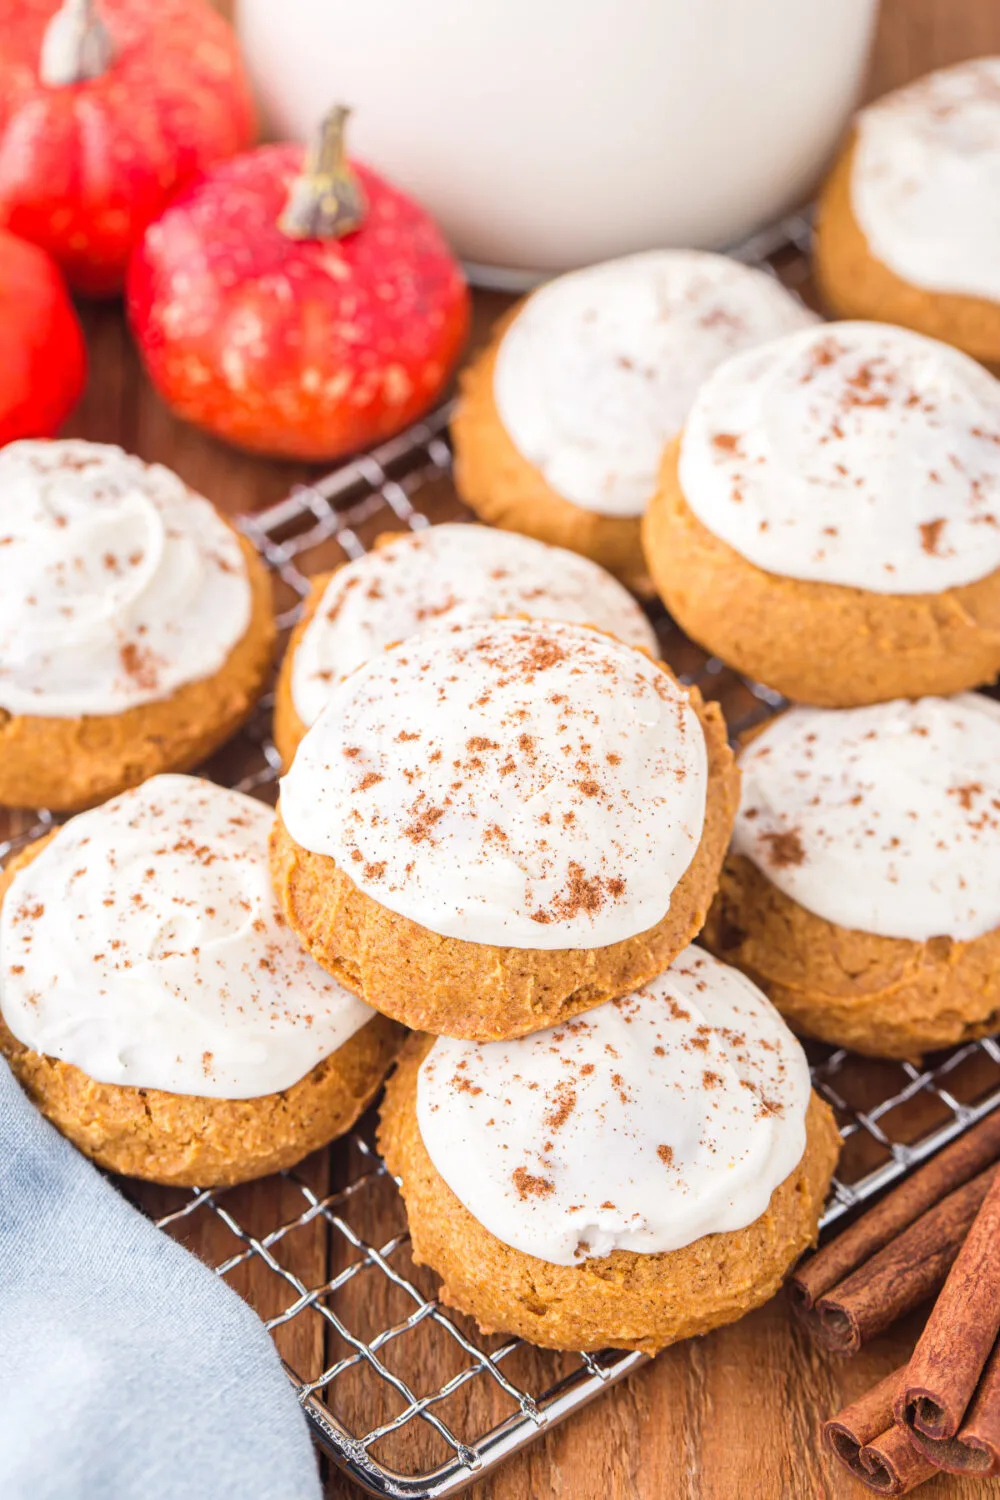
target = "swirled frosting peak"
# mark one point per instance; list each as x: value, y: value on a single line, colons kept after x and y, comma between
x: 144, y: 945
x: 118, y: 584
x: 518, y: 782
x: 853, y: 453
x: 643, y: 1125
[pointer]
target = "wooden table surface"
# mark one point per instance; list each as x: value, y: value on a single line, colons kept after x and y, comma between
x: 729, y: 1416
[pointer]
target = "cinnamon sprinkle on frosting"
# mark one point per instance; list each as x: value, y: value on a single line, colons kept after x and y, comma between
x: 556, y: 794
x: 118, y: 584
x: 883, y: 819
x: 863, y: 431
x: 593, y: 1110
x: 596, y: 372
x: 166, y: 937
x: 442, y: 577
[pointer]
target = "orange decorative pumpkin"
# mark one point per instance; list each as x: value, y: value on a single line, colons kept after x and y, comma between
x: 107, y: 107
x: 43, y: 361
x: 296, y: 305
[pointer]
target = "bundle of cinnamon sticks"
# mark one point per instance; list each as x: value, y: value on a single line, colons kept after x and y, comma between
x: 939, y: 1232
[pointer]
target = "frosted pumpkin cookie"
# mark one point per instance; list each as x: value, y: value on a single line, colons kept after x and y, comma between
x: 445, y: 575
x: 154, y: 1004
x: 908, y: 229
x: 563, y: 418
x: 632, y: 1177
x: 136, y: 626
x: 862, y: 892
x: 829, y: 522
x: 493, y: 827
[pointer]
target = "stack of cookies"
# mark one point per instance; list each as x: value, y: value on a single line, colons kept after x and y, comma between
x: 152, y: 1000
x: 504, y: 833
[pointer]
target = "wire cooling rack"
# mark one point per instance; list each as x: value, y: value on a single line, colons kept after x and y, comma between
x: 410, y: 1399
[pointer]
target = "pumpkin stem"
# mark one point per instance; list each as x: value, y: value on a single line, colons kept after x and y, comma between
x: 76, y: 45
x: 326, y: 201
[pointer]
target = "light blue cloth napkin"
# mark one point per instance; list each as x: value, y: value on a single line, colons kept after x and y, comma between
x: 127, y: 1368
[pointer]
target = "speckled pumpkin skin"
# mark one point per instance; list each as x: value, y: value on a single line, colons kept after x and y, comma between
x: 303, y: 349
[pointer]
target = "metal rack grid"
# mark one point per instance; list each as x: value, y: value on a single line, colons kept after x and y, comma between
x: 892, y: 1115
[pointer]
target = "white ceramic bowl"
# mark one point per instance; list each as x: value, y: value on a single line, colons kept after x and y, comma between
x: 545, y: 134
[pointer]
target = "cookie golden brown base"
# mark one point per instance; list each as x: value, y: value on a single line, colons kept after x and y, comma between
x: 71, y: 763
x: 456, y: 988
x: 816, y: 643
x: 887, y: 997
x: 496, y: 481
x: 855, y: 284
x: 624, y: 1300
x: 187, y: 1140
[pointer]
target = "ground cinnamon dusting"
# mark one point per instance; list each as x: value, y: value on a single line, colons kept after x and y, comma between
x: 565, y: 1103
x: 529, y: 1186
x: 784, y: 849
x: 581, y: 893
x: 860, y: 390
x: 422, y: 822
x: 543, y: 653
x: 140, y: 665
x: 930, y: 535
x: 464, y: 1086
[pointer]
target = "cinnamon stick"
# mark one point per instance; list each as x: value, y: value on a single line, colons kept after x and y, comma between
x: 956, y: 1164
x: 865, y: 1440
x: 979, y: 1434
x: 900, y: 1276
x: 950, y: 1358
x: 976, y: 1449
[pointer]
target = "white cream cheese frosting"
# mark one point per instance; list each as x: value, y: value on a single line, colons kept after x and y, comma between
x: 448, y: 575
x: 853, y: 453
x: 642, y: 1125
x: 885, y: 819
x: 523, y: 783
x: 144, y: 945
x: 118, y: 584
x: 925, y: 180
x: 598, y: 369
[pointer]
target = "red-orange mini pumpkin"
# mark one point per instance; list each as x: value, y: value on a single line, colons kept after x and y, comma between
x: 43, y: 361
x: 297, y: 307
x: 107, y: 107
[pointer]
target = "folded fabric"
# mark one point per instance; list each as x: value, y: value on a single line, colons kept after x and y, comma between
x: 127, y: 1368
